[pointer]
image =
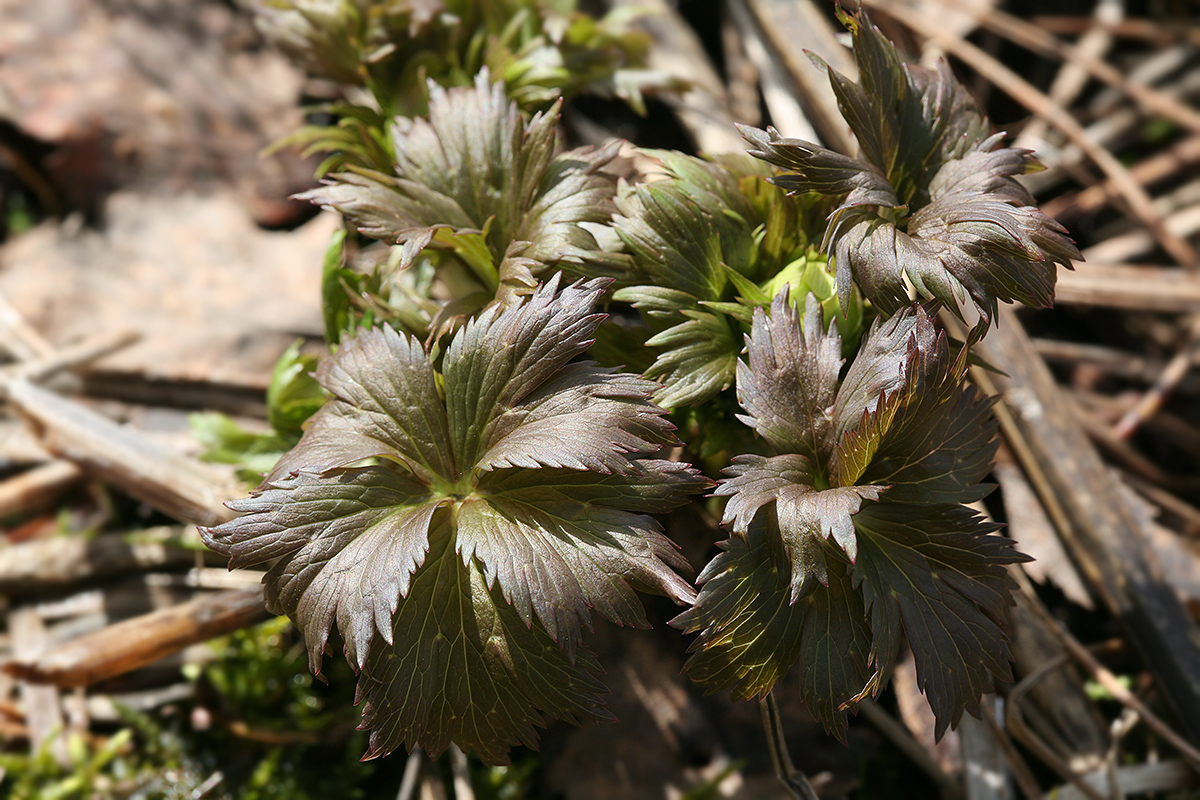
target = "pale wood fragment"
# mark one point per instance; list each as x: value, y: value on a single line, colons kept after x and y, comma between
x: 63, y: 561
x: 136, y: 642
x: 181, y: 487
x: 38, y: 487
x: 1091, y: 515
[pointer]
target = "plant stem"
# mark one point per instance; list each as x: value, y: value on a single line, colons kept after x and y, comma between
x: 792, y: 778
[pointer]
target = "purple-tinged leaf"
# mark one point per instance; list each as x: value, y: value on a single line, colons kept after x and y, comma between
x: 806, y: 516
x: 819, y: 169
x: 559, y: 562
x: 504, y: 355
x: 586, y: 418
x: 932, y: 203
x: 464, y: 667
x: 476, y: 166
x: 751, y: 631
x: 656, y: 486
x: 488, y: 528
x: 348, y: 542
x: 385, y: 404
x: 935, y: 573
x: 789, y: 380
x: 905, y: 418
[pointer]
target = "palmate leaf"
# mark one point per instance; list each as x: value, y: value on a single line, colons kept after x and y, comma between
x: 931, y: 202
x: 933, y: 571
x: 751, y: 629
x: 459, y: 543
x: 853, y: 534
x: 475, y: 167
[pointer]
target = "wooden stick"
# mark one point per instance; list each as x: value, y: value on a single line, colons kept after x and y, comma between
x: 62, y: 561
x: 1140, y: 288
x: 1114, y: 686
x: 42, y: 704
x: 1166, y: 163
x: 38, y: 487
x: 1147, y: 29
x: 703, y: 110
x: 72, y: 356
x: 136, y: 642
x: 794, y: 28
x: 1047, y: 44
x: 20, y: 340
x: 181, y: 487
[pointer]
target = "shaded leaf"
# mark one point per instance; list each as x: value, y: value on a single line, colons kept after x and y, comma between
x: 751, y: 630
x: 700, y: 358
x: 934, y: 572
x: 460, y: 665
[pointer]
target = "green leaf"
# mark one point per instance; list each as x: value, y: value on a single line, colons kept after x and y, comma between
x: 935, y: 572
x: 255, y: 453
x: 700, y: 359
x: 696, y: 238
x: 293, y: 394
x: 336, y: 305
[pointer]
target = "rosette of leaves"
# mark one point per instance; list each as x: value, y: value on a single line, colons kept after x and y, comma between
x: 481, y: 190
x: 459, y: 528
x: 854, y: 532
x: 708, y: 241
x: 540, y: 50
x: 931, y: 202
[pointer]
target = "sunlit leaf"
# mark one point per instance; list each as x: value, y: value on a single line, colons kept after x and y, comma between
x: 931, y: 203
x: 475, y: 166
x: 460, y: 527
x: 852, y: 535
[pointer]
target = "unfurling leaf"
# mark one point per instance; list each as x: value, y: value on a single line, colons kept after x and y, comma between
x: 478, y: 180
x: 461, y: 544
x: 931, y: 202
x: 706, y: 241
x: 853, y: 535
